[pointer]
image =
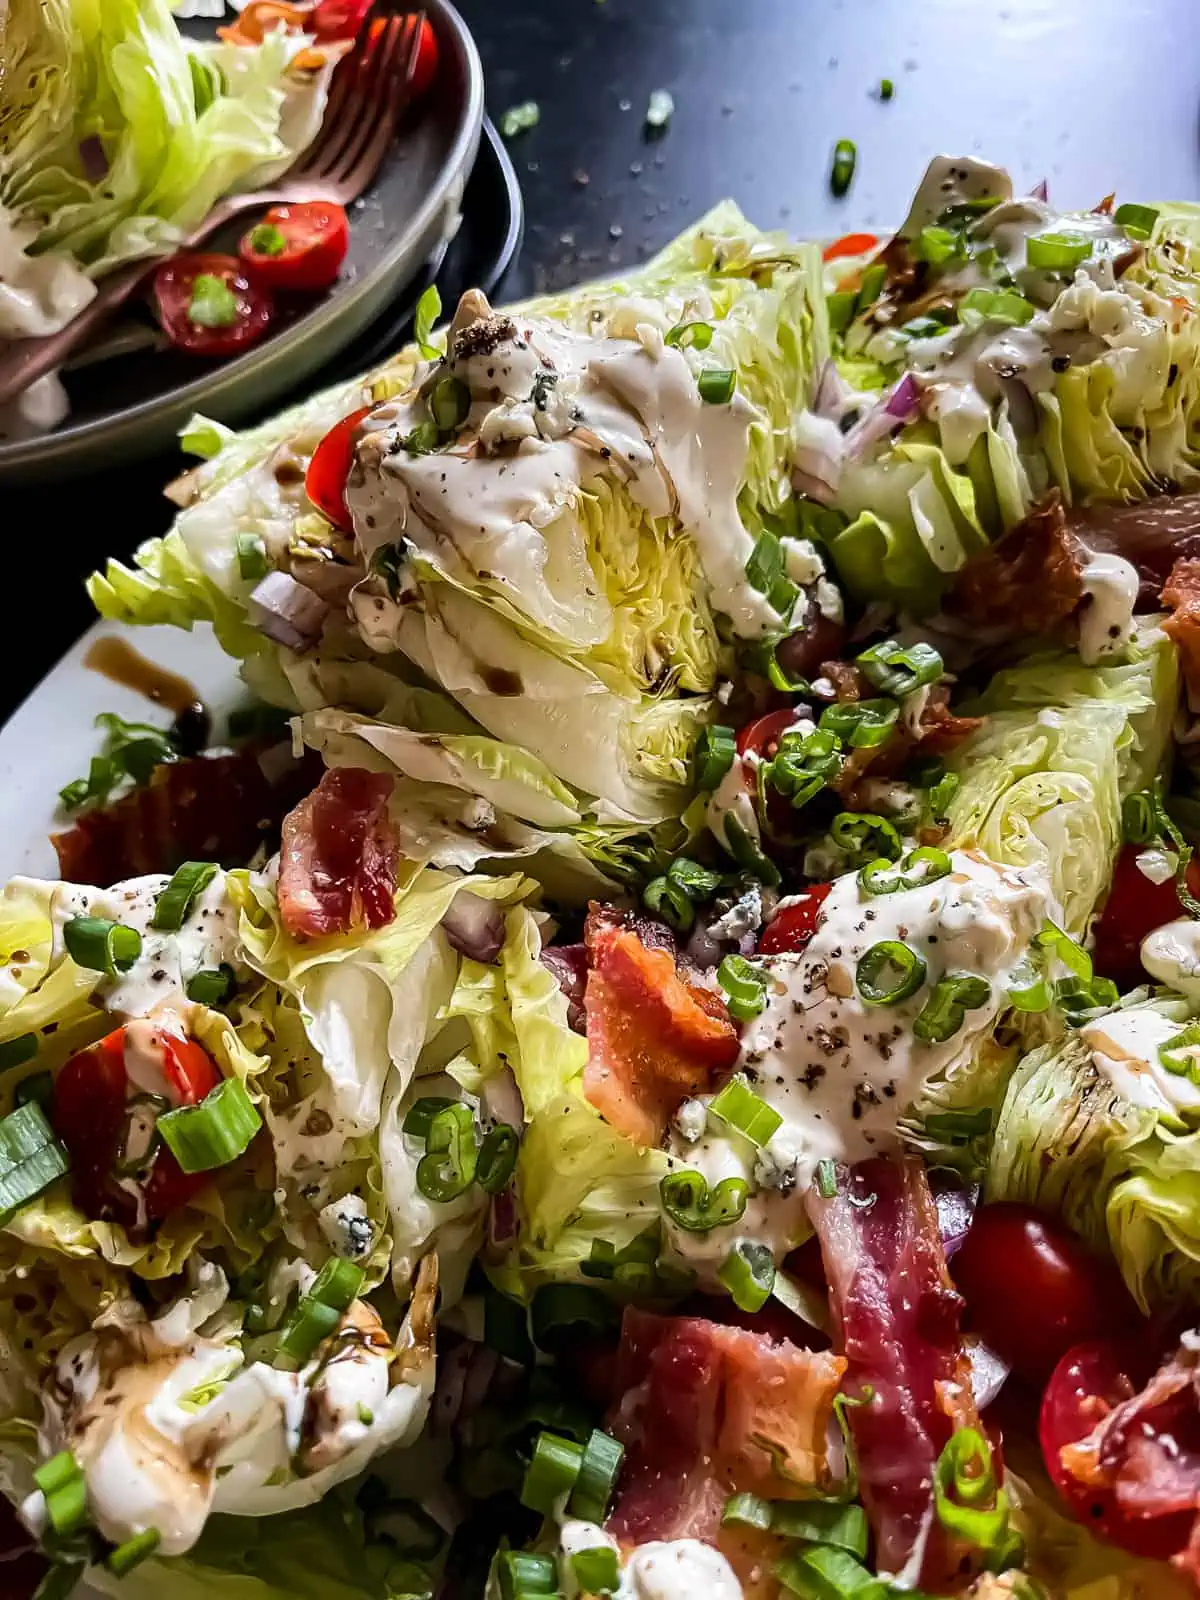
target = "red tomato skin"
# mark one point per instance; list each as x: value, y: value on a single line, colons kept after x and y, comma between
x: 794, y: 926
x: 761, y: 738
x: 1134, y: 908
x: 1089, y: 1381
x: 850, y: 244
x: 337, y: 19
x: 325, y: 480
x: 173, y: 292
x: 1033, y: 1290
x: 426, y: 64
x: 316, y: 237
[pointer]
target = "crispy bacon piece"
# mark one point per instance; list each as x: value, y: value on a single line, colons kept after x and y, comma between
x: 705, y: 1411
x: 1029, y: 582
x: 938, y: 732
x: 209, y: 808
x: 337, y: 862
x: 1181, y: 593
x: 898, y: 1321
x: 849, y: 681
x: 653, y: 1037
x: 602, y: 919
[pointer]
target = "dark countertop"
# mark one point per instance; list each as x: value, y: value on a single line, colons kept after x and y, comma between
x: 1093, y: 95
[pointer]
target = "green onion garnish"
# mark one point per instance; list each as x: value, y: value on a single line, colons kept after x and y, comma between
x: 22, y: 1134
x: 804, y: 765
x: 886, y: 88
x: 25, y: 1180
x: 823, y: 1572
x: 827, y: 1184
x: 925, y: 864
x: 841, y: 307
x: 745, y: 1112
x: 765, y: 657
x: 1028, y: 989
x: 686, y: 1199
x: 101, y: 945
x: 871, y: 287
x: 421, y: 1114
x: 602, y: 1457
x: 968, y: 1502
x: 716, y: 385
x: 62, y: 1483
x: 552, y: 1472
x: 866, y: 836
x: 822, y: 1522
x: 1139, y: 818
x: 1138, y: 221
x: 251, y: 556
x: 841, y: 173
x: 596, y: 1570
x: 215, y: 1132
x: 715, y: 750
x: 862, y: 724
x: 889, y: 972
x: 978, y: 306
x: 1075, y: 996
x: 1181, y: 1053
x: 745, y: 987
x: 212, y: 986
x: 133, y: 1552
x: 520, y: 118
x: 747, y: 1511
x: 447, y: 1169
x: 213, y: 303
x: 697, y: 882
x: 748, y: 1272
x: 175, y: 902
x: 1072, y: 954
x: 429, y: 309
x: 497, y: 1158
x: 334, y: 1291
x: 450, y: 403
x: 423, y: 439
x: 267, y: 240
x: 922, y: 328
x: 523, y: 1572
x: 690, y: 335
x: 744, y: 850
x: 944, y: 1013
x: 16, y: 1052
x: 897, y: 669
x: 936, y: 245
x: 1057, y: 252
x: 671, y: 902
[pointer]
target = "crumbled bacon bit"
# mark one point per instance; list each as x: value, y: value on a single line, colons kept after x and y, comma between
x: 1029, y: 582
x: 337, y: 861
x: 1181, y: 593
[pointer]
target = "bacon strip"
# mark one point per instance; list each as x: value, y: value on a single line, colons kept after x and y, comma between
x: 210, y: 808
x: 337, y: 861
x: 1181, y: 593
x: 898, y: 1319
x: 1029, y: 582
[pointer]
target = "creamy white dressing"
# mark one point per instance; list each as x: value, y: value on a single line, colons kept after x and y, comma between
x: 1125, y: 1046
x: 679, y: 1569
x: 1110, y: 591
x: 1172, y: 955
x: 551, y: 410
x: 734, y: 797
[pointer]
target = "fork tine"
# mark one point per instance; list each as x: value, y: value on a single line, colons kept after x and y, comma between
x: 359, y: 101
x: 362, y: 156
x: 332, y: 129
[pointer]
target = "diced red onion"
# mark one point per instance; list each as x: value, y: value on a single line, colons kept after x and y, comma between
x: 955, y: 1208
x: 288, y: 612
x: 832, y: 391
x: 904, y: 400
x: 501, y: 1099
x: 569, y: 965
x: 93, y: 159
x: 901, y: 405
x: 502, y: 1221
x: 988, y: 1371
x: 474, y: 927
x: 1041, y: 191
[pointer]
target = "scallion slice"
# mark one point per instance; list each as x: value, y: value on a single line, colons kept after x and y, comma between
x: 748, y: 1272
x: 897, y: 669
x: 823, y: 1572
x: 602, y: 1457
x: 715, y: 750
x: 497, y: 1158
x: 936, y: 245
x: 745, y: 1112
x: 447, y: 1169
x: 524, y: 1572
x: 22, y: 1134
x: 747, y: 1511
x: 1138, y: 221
x: 889, y: 972
x: 822, y: 1522
x: 212, y: 986
x: 422, y: 440
x: 841, y: 172
x: 866, y: 836
x: 871, y: 286
x: 133, y: 1552
x: 552, y: 1472
x: 841, y: 307
x: 690, y: 335
x: 1139, y: 817
x: 215, y: 1132
x: 1008, y: 306
x: 671, y: 902
x: 1057, y: 252
x: 745, y: 987
x: 596, y: 1569
x: 101, y: 945
x: 1027, y: 988
x: 1180, y: 1054
x: 176, y: 900
x: 941, y: 795
x: 16, y: 1052
x: 944, y: 1013
x: 690, y: 1204
x: 450, y: 403
x: 716, y: 385
x: 23, y: 1182
x: 862, y: 724
x: 251, y: 556
x: 306, y: 1329
x: 62, y: 1483
x: 827, y: 1184
x: 966, y: 1497
x: 745, y: 851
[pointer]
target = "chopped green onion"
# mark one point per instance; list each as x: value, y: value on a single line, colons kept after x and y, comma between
x: 690, y: 335
x: 101, y: 945
x: 16, y: 1052
x: 747, y: 1511
x: 559, y: 1310
x: 744, y: 985
x: 131, y: 750
x: 596, y: 1569
x: 671, y: 902
x: 944, y: 1013
x: 889, y: 972
x: 1077, y: 996
x: 64, y: 1575
x: 251, y: 556
x: 423, y: 439
x: 429, y: 309
x: 175, y: 902
x: 1057, y: 252
x: 688, y: 1202
x: 62, y: 1483
x: 865, y: 835
x: 212, y: 986
x: 964, y: 1483
x: 697, y: 882
x: 520, y: 118
x: 213, y: 303
x: 841, y: 306
x: 338, y: 1284
x: 319, y: 1311
x: 421, y: 1114
x: 215, y: 1132
x: 1028, y: 989
x: 497, y: 1158
x: 22, y: 1134
x: 827, y: 1184
x: 899, y: 669
x: 267, y: 240
x: 716, y: 385
x: 523, y: 1572
x: 862, y: 724
x: 748, y: 1272
x: 978, y: 306
x: 660, y: 108
x: 1139, y: 818
x: 745, y: 851
x: 1181, y: 1053
x: 765, y: 657
x: 747, y: 1113
x: 1072, y: 954
x: 823, y: 1572
x: 936, y: 245
x: 133, y: 1552
x: 1138, y: 221
x: 871, y: 287
x: 941, y: 796
x: 886, y: 88
x: 923, y: 328
x: 822, y: 1522
x: 602, y: 1457
x: 23, y: 1182
x: 715, y: 751
x: 447, y: 1169
x: 841, y: 173
x: 552, y: 1472
x: 958, y: 1127
x: 450, y: 403
x: 925, y: 864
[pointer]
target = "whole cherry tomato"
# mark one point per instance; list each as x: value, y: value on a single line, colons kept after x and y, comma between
x: 762, y: 738
x: 1135, y: 907
x: 850, y: 244
x: 325, y: 480
x: 208, y: 306
x: 297, y: 247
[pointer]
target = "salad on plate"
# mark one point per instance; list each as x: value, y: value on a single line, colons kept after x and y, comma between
x: 688, y: 1087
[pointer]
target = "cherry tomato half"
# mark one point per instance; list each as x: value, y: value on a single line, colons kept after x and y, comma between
x: 208, y: 306
x: 1086, y: 1384
x: 794, y: 926
x: 297, y: 247
x: 325, y: 480
x: 850, y: 244
x: 90, y: 1113
x: 426, y: 64
x: 762, y: 738
x: 1134, y: 908
x: 1033, y: 1289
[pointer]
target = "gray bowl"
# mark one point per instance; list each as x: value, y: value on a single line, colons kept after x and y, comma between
x: 133, y: 405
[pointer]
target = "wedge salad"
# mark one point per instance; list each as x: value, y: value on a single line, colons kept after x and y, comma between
x: 688, y: 1087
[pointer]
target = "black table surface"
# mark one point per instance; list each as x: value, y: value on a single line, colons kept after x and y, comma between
x: 1093, y: 95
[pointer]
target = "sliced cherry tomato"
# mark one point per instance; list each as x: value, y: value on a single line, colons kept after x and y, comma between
x: 1014, y: 1259
x: 325, y: 480
x: 90, y: 1113
x: 426, y: 64
x: 761, y: 738
x: 1086, y: 1384
x: 298, y: 246
x: 186, y: 311
x: 1134, y: 908
x: 337, y: 19
x: 850, y: 244
x: 794, y: 926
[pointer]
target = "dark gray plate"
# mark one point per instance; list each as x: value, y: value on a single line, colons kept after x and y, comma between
x: 134, y: 404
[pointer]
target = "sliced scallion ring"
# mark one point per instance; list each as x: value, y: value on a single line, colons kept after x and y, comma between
x: 925, y: 864
x: 1180, y: 1054
x: 716, y: 385
x: 745, y: 851
x: 447, y: 1169
x: 864, y: 835
x: 212, y: 986
x: 215, y: 1132
x: 748, y: 1511
x: 936, y: 245
x: 823, y: 1523
x: 101, y: 945
x: 524, y: 1572
x: 697, y: 882
x: 173, y: 905
x: 670, y: 901
x: 251, y: 556
x: 745, y: 1112
x: 596, y: 1570
x: 862, y: 724
x: 748, y: 1272
x: 449, y: 403
x: 870, y: 286
x: 690, y: 335
x: 841, y: 306
x: 422, y: 1112
x: 64, y: 1487
x: 888, y: 973
x: 1057, y: 252
x: 897, y: 669
x: 1138, y: 221
x: 715, y: 751
x: 121, y: 1561
x: 552, y: 1472
x: 602, y: 1457
x: 745, y: 987
x: 827, y: 1184
x: 1139, y: 818
x: 841, y: 172
x: 1028, y: 989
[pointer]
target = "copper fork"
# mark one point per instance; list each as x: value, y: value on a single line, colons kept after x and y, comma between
x: 369, y: 93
